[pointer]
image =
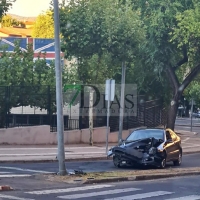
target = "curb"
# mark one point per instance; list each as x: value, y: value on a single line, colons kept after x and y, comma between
x: 142, y: 177
x: 5, y: 188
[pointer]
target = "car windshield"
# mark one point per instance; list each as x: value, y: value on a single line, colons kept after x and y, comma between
x: 142, y: 134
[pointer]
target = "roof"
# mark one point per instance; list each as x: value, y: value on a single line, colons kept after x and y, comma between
x: 29, y: 22
x: 22, y: 32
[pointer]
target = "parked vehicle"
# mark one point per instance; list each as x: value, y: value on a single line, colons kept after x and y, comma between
x: 196, y: 114
x: 153, y: 147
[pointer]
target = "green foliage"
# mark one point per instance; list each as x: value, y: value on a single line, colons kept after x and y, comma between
x: 5, y: 6
x: 187, y: 33
x: 166, y: 23
x: 100, y: 34
x: 44, y: 26
x: 8, y: 21
x: 29, y: 78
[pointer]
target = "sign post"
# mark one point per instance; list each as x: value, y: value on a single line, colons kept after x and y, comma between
x: 192, y: 104
x: 109, y: 96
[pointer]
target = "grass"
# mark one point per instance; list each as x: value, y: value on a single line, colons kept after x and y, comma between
x: 119, y: 174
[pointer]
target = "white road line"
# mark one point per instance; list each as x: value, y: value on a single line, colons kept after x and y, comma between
x: 186, y: 139
x: 141, y: 196
x: 95, y: 194
x: 69, y: 189
x: 13, y: 197
x: 5, y: 172
x: 40, y: 148
x: 49, y: 154
x: 191, y: 146
x: 27, y: 170
x: 192, y: 197
x: 14, y: 175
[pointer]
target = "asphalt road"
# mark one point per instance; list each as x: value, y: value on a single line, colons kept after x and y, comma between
x: 185, y: 124
x: 190, y: 160
x: 182, y: 188
x: 187, y: 128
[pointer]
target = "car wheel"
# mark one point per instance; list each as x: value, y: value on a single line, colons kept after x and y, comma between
x: 178, y: 162
x: 116, y: 161
x: 163, y: 162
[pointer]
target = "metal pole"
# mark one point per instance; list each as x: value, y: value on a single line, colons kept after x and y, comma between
x: 122, y: 102
x: 108, y: 115
x: 59, y: 95
x: 191, y: 114
x: 91, y: 116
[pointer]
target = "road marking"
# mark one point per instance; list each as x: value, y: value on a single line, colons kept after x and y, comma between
x: 49, y: 154
x: 5, y: 172
x: 40, y: 148
x: 14, y: 175
x: 69, y: 189
x: 186, y: 139
x: 141, y: 196
x: 192, y: 197
x: 13, y: 197
x: 27, y: 170
x: 92, y: 194
x: 191, y: 146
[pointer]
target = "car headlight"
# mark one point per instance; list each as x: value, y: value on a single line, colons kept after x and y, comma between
x: 152, y: 151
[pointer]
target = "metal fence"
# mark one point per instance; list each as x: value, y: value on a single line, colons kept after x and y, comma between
x: 150, y: 113
x: 36, y: 105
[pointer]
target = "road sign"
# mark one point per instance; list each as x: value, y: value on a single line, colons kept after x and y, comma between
x: 110, y: 90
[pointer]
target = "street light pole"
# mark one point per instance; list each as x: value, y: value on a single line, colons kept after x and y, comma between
x: 121, y: 117
x: 59, y: 95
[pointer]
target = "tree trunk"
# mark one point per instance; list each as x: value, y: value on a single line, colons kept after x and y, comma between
x: 171, y: 118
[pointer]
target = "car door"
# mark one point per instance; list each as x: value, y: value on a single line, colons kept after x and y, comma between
x: 175, y: 146
x: 169, y: 146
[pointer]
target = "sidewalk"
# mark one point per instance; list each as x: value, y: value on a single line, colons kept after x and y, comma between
x: 8, y: 153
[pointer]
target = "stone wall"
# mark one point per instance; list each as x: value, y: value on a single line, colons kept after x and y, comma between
x: 41, y: 135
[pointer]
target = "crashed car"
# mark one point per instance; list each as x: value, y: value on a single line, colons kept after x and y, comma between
x: 153, y: 147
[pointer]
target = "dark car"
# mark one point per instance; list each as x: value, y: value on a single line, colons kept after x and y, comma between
x: 148, y: 147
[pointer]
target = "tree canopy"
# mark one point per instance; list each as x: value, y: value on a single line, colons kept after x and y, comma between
x: 100, y: 35
x: 44, y: 26
x: 8, y: 21
x: 159, y: 40
x: 5, y: 5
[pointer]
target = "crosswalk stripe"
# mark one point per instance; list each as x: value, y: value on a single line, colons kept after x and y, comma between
x: 191, y: 197
x: 13, y: 197
x: 14, y: 175
x: 141, y: 196
x: 22, y: 169
x: 69, y: 189
x: 92, y: 194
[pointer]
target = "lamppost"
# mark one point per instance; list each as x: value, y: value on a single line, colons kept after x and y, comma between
x: 59, y: 94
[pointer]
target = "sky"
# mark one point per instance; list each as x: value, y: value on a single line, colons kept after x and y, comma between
x: 29, y: 8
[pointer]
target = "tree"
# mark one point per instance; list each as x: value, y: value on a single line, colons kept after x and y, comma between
x: 44, y: 26
x: 8, y: 21
x: 89, y: 33
x: 171, y: 44
x: 28, y: 80
x: 5, y: 6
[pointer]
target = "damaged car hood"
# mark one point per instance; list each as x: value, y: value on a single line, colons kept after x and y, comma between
x: 135, y: 148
